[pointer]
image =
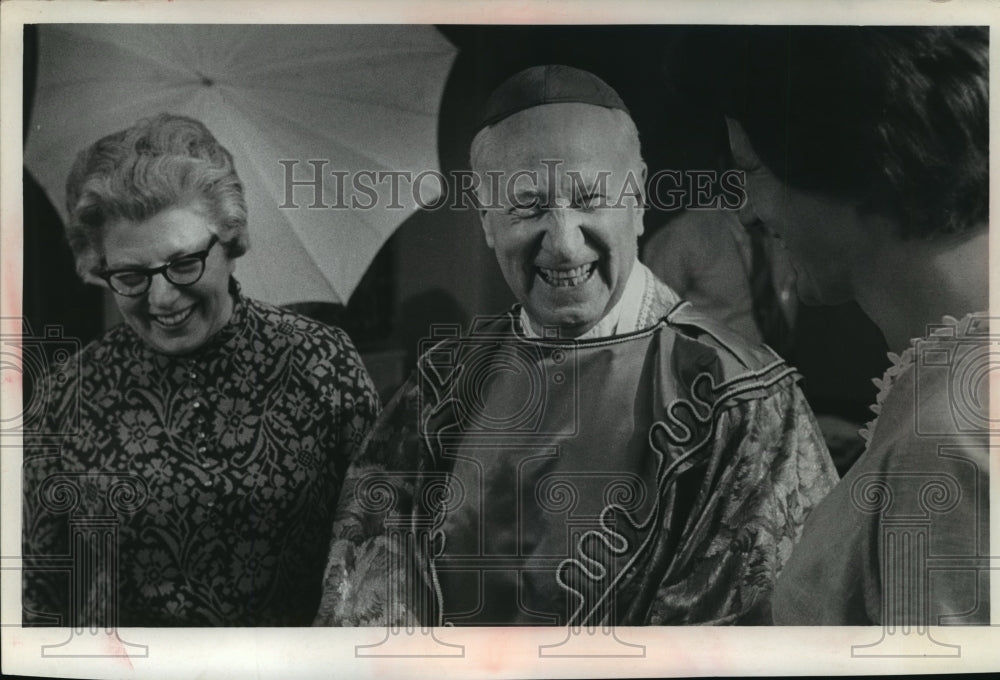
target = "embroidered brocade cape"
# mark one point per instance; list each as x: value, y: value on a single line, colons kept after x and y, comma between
x: 219, y: 472
x: 656, y: 477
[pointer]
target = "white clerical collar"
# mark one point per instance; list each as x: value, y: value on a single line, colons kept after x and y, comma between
x: 622, y: 318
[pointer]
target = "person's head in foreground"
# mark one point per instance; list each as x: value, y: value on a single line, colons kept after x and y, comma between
x: 866, y: 153
x: 157, y: 213
x: 561, y: 188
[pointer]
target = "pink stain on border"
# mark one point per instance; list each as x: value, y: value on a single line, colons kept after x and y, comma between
x: 12, y: 241
x: 522, y: 13
x: 11, y: 283
x: 117, y: 650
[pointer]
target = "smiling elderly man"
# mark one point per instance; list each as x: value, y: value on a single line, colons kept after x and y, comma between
x: 603, y: 453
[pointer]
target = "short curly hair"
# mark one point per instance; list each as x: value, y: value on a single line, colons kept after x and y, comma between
x: 895, y: 118
x: 160, y: 162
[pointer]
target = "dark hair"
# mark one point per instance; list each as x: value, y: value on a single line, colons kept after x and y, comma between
x: 896, y: 118
x: 158, y: 163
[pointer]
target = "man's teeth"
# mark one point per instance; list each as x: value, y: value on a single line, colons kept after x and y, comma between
x: 562, y: 278
x: 173, y: 319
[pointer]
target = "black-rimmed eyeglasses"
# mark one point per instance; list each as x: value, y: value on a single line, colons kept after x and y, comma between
x: 180, y: 271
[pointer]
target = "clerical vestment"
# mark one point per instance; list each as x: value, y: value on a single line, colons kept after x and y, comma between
x: 659, y: 476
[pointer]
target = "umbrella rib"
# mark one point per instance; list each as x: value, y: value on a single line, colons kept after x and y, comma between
x: 307, y: 130
x: 102, y: 44
x: 336, y: 98
x: 150, y: 93
x: 325, y: 58
x: 227, y: 110
x: 261, y: 176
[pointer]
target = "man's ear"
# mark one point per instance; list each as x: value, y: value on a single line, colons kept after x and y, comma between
x: 487, y: 226
x: 742, y: 151
x: 640, y: 227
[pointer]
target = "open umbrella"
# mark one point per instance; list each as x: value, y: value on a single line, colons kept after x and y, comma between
x: 351, y: 97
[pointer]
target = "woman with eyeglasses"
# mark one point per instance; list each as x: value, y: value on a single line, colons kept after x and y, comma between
x: 226, y: 422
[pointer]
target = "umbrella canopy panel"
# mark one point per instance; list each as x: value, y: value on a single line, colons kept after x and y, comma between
x: 361, y: 98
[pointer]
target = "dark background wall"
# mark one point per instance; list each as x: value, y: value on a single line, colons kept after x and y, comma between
x: 436, y: 267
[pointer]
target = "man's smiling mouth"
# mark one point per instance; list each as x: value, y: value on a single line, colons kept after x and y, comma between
x: 565, y: 278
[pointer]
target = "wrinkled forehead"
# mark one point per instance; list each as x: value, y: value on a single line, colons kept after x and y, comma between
x: 572, y: 137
